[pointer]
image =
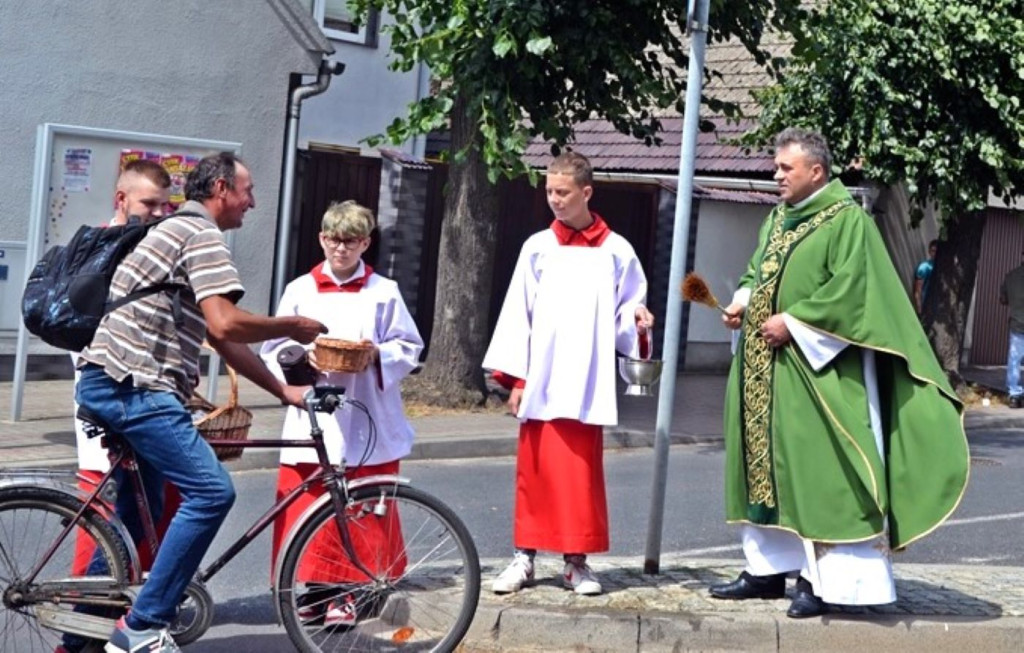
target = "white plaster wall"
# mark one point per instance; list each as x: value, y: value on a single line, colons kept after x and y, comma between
x: 726, y: 237
x: 189, y: 68
x: 362, y: 101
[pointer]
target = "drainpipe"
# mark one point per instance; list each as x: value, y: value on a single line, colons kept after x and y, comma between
x: 284, y: 226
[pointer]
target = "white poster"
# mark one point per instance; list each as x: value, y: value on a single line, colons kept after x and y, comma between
x: 77, y: 169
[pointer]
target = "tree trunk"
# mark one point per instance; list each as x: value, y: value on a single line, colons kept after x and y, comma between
x: 950, y: 290
x: 465, y: 267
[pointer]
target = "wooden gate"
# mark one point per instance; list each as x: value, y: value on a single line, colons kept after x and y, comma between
x: 329, y: 177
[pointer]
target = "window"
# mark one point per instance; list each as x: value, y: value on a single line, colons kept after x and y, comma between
x: 339, y: 22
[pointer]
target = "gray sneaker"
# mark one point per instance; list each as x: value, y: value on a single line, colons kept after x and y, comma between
x: 151, y: 640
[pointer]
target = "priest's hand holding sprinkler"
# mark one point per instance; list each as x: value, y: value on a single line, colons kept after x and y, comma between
x: 696, y: 290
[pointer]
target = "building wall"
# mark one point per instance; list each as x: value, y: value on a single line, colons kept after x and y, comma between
x: 187, y: 68
x: 401, y: 217
x: 726, y: 237
x: 362, y: 101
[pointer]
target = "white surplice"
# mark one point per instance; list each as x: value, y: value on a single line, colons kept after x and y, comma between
x: 567, y: 311
x: 376, y: 312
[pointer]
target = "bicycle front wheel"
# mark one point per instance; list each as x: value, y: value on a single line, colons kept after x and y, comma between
x: 88, y: 568
x: 415, y: 585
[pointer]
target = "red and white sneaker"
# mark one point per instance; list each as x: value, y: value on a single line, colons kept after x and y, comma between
x: 517, y: 575
x: 341, y: 613
x: 579, y: 577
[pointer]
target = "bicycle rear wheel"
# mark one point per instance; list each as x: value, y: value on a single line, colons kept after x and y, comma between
x: 424, y: 579
x: 31, y: 518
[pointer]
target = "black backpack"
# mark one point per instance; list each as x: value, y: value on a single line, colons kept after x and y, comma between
x: 66, y: 295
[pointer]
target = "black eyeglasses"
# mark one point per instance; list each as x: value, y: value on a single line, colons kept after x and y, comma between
x: 349, y: 243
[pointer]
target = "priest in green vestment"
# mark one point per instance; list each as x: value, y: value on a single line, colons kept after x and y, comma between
x: 844, y: 439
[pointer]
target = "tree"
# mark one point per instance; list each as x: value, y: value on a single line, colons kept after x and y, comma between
x: 925, y: 93
x: 510, y: 71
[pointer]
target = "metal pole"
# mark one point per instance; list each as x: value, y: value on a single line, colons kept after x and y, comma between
x: 284, y: 217
x: 33, y: 250
x: 697, y: 26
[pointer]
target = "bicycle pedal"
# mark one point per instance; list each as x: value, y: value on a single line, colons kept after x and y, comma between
x: 76, y: 623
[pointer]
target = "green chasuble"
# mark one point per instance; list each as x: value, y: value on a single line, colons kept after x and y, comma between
x: 800, y: 451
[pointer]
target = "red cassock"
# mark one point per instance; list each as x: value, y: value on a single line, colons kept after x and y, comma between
x: 376, y: 541
x: 86, y: 546
x: 560, y: 496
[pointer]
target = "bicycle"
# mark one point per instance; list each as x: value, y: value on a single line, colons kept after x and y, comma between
x: 417, y: 592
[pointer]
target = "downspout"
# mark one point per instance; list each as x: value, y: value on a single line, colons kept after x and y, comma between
x: 284, y: 226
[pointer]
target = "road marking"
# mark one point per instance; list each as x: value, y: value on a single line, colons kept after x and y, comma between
x: 728, y: 548
x: 978, y: 520
x: 711, y: 549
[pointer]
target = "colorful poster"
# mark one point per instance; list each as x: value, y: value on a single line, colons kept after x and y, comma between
x: 177, y: 165
x: 174, y: 164
x: 77, y: 169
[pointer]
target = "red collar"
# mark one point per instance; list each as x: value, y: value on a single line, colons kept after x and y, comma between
x: 326, y: 283
x: 591, y: 236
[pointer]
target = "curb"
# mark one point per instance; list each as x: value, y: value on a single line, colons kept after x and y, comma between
x: 436, y: 449
x: 510, y: 629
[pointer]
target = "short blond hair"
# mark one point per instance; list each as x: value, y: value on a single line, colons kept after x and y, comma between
x: 348, y: 219
x: 575, y: 164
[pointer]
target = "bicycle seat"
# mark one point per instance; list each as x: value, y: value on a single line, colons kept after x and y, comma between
x: 92, y: 424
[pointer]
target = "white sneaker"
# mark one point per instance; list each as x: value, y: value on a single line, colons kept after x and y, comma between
x: 518, y: 574
x: 579, y: 577
x: 341, y: 613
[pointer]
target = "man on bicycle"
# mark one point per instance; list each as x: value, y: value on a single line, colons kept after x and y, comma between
x: 141, y: 367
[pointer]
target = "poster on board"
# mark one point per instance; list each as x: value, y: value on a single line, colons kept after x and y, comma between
x: 74, y: 179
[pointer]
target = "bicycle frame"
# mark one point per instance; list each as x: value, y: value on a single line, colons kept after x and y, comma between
x: 332, y: 478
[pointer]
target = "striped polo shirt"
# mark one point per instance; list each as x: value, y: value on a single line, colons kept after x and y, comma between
x: 140, y: 340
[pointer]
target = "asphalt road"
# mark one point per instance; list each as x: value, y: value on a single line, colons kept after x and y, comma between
x: 986, y: 529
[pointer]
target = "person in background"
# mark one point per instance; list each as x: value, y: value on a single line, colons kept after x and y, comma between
x: 1011, y: 294
x: 922, y: 275
x: 142, y: 192
x: 575, y: 298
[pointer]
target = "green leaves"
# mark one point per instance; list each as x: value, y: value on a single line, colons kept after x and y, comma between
x: 504, y: 44
x: 538, y: 45
x: 923, y: 91
x: 534, y: 68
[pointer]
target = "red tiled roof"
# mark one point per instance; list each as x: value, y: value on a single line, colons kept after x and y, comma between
x: 609, y: 150
x: 612, y: 151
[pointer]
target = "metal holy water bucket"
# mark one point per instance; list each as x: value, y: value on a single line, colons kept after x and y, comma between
x: 640, y: 375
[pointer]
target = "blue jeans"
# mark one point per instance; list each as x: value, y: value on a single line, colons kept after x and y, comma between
x: 160, y: 430
x: 1013, y: 359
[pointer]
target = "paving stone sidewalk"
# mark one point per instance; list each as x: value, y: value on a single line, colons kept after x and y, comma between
x: 940, y: 608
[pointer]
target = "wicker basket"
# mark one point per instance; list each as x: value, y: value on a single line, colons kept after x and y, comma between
x: 333, y: 355
x: 228, y: 422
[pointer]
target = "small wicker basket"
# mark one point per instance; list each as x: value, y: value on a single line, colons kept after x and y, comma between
x: 228, y: 422
x: 334, y: 355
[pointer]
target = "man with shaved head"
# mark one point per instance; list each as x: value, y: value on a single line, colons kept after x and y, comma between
x: 143, y: 190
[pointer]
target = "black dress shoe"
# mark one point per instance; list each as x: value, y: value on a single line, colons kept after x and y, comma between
x: 748, y: 586
x: 805, y: 604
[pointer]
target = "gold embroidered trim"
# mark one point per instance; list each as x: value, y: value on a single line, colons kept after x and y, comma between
x: 759, y: 358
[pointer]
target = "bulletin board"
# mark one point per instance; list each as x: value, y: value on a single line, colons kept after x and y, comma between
x: 73, y: 183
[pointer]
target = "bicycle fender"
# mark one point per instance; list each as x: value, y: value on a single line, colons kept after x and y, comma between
x: 12, y: 478
x: 379, y: 479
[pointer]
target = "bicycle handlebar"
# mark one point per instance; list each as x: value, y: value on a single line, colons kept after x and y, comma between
x: 323, y: 399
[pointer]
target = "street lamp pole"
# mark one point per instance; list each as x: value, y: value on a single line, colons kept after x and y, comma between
x: 697, y: 29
